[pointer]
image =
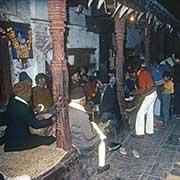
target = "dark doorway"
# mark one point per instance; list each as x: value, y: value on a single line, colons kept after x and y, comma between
x: 5, y: 71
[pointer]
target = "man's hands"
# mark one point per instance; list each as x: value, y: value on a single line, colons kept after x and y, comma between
x: 39, y: 108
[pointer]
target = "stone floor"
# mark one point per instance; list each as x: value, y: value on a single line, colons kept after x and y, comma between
x: 159, y: 157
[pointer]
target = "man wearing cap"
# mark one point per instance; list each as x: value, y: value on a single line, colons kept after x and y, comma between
x: 86, y: 135
x: 19, y: 117
x: 23, y: 76
x: 148, y: 91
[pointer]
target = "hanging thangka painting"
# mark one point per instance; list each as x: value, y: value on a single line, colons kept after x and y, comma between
x: 21, y: 41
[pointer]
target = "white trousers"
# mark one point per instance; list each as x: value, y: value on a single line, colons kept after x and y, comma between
x: 146, y: 108
x: 157, y: 107
x: 102, y: 154
x: 102, y: 146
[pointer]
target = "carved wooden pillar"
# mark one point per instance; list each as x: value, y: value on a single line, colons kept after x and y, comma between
x: 119, y: 34
x: 147, y: 43
x: 57, y: 18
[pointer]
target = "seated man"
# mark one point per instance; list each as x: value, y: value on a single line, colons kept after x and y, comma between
x: 86, y: 136
x: 74, y: 80
x: 19, y: 117
x: 42, y: 100
x: 89, y: 87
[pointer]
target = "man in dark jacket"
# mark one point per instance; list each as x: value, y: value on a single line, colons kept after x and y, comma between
x: 106, y: 98
x: 19, y: 117
x: 176, y: 78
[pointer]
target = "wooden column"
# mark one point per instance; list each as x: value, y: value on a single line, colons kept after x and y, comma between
x: 147, y: 43
x: 57, y: 18
x: 119, y: 34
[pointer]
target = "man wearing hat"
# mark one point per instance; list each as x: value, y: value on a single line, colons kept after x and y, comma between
x: 23, y: 76
x: 86, y: 135
x: 19, y: 117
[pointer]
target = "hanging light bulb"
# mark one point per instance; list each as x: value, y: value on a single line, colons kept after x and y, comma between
x: 132, y: 18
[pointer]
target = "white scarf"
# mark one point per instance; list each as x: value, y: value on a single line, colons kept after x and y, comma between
x: 76, y: 105
x: 21, y: 100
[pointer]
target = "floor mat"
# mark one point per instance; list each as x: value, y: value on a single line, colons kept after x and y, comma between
x: 34, y: 162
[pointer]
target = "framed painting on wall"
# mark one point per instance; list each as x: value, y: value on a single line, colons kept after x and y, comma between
x: 21, y: 41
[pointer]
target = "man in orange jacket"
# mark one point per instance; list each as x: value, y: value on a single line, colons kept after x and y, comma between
x: 148, y: 90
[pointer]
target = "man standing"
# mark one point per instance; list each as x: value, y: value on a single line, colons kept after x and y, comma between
x: 159, y: 82
x: 176, y: 78
x: 146, y: 89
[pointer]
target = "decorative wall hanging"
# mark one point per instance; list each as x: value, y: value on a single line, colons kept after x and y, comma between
x: 171, y: 30
x: 130, y: 10
x: 21, y: 41
x: 147, y: 15
x: 123, y: 11
x: 89, y: 3
x: 106, y: 8
x: 116, y: 9
x: 155, y: 19
x: 100, y: 3
x: 156, y: 26
x: 150, y: 18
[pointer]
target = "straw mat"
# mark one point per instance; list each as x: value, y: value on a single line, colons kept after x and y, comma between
x: 34, y: 162
x: 172, y: 177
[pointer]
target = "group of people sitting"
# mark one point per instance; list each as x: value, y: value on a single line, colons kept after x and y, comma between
x: 30, y: 116
x: 30, y: 112
x: 26, y: 108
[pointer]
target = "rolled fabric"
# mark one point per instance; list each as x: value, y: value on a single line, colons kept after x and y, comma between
x: 23, y: 177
